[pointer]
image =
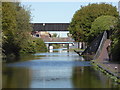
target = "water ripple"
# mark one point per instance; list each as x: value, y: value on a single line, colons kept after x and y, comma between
x: 49, y: 63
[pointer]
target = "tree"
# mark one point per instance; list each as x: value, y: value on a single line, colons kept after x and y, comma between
x: 115, y: 48
x: 103, y: 23
x: 24, y: 28
x: 16, y: 30
x: 9, y: 28
x: 80, y: 25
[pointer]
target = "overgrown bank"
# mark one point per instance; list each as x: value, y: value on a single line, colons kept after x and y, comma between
x: 107, y: 70
x: 16, y: 31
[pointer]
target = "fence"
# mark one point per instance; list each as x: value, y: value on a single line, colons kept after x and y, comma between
x: 95, y: 47
x: 100, y: 45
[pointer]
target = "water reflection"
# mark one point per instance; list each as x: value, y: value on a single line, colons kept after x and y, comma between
x: 87, y: 77
x: 51, y: 50
x: 51, y: 77
x: 16, y: 78
x: 54, y: 70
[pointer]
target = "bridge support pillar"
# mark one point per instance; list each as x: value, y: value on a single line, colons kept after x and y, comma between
x: 68, y: 47
x: 47, y: 45
x: 80, y: 45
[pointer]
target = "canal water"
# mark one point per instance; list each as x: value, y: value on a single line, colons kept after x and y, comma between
x: 54, y: 69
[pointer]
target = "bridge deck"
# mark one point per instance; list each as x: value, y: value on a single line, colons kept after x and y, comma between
x: 57, y: 40
x: 50, y: 26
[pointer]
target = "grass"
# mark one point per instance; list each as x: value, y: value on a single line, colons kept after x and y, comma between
x: 104, y: 68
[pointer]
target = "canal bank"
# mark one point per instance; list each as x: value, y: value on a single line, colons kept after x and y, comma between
x: 109, y: 69
x: 103, y: 63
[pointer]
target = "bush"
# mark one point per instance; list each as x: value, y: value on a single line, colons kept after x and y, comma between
x: 33, y: 45
x: 115, y: 48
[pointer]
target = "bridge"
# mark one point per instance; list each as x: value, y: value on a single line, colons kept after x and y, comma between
x: 52, y: 27
x: 55, y: 40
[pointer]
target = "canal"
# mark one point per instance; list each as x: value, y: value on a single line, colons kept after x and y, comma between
x: 54, y: 69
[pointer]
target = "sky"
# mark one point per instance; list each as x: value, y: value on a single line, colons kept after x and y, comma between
x: 55, y: 12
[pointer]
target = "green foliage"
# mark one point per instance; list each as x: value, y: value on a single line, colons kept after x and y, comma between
x: 56, y: 46
x: 16, y: 30
x: 103, y: 23
x: 80, y: 25
x: 9, y: 28
x: 115, y: 48
x: 33, y: 45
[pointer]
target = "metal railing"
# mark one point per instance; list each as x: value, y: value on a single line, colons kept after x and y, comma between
x: 104, y: 38
x: 95, y: 47
x: 92, y: 48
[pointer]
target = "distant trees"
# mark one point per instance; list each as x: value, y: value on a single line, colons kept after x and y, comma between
x: 16, y: 30
x: 82, y: 20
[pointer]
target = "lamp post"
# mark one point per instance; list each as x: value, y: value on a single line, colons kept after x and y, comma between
x: 44, y: 30
x: 44, y: 26
x: 44, y: 73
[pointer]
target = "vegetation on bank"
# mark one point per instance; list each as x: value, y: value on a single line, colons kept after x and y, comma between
x: 16, y: 31
x: 107, y: 71
x: 115, y: 47
x: 93, y: 19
